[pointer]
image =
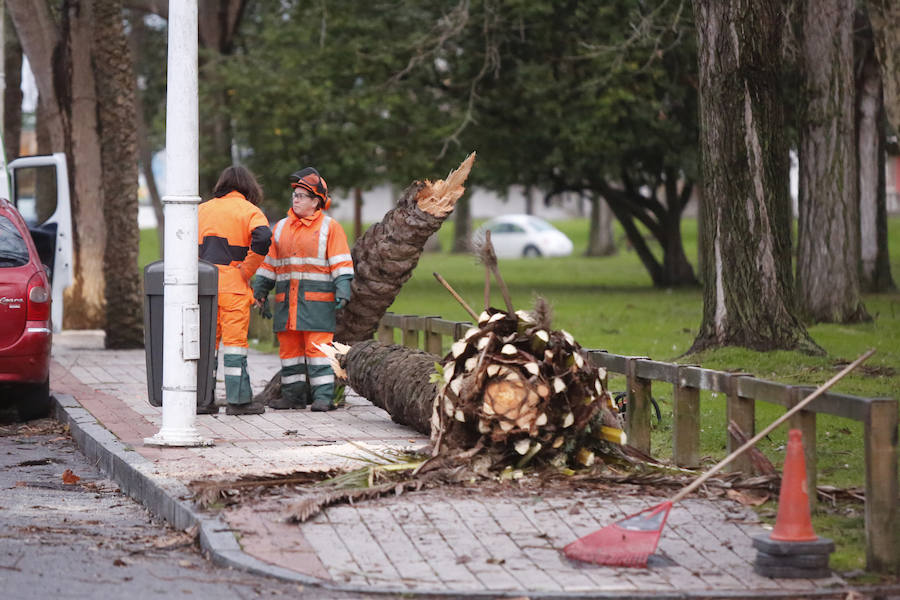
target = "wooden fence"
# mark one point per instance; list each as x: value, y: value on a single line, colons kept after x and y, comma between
x: 879, y: 417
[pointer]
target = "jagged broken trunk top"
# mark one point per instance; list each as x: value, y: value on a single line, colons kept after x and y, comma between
x: 385, y: 256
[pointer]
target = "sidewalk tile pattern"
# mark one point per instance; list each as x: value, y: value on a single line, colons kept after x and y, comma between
x: 458, y: 540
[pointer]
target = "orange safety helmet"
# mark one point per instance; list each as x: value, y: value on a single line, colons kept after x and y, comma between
x: 310, y: 180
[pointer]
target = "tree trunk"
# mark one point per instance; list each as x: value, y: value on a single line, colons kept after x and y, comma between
x: 86, y: 304
x: 385, y: 256
x: 12, y: 97
x: 61, y: 62
x: 116, y: 110
x: 600, y: 236
x: 462, y: 226
x: 41, y: 132
x: 145, y: 155
x: 663, y: 222
x: 676, y: 267
x: 530, y: 192
x: 885, y: 17
x: 45, y: 178
x: 396, y: 379
x: 40, y: 40
x: 828, y: 227
x: 875, y: 266
x: 357, y: 213
x: 701, y: 237
x: 748, y: 297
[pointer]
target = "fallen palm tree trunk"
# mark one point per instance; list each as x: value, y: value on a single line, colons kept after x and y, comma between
x: 385, y: 256
x: 394, y: 378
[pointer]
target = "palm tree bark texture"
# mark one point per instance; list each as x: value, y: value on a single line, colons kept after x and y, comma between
x: 748, y: 293
x: 396, y: 379
x: 115, y: 96
x: 385, y: 256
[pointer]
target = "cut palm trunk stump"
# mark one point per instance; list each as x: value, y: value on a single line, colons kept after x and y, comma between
x: 511, y: 389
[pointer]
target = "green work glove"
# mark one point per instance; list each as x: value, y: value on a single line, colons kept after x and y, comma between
x: 264, y: 311
x: 340, y: 303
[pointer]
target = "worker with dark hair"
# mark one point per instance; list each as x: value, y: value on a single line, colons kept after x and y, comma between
x: 310, y: 267
x: 235, y: 236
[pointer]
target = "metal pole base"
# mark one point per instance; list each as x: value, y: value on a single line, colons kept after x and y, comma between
x: 182, y: 438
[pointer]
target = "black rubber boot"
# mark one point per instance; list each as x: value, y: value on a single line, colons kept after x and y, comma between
x: 322, y: 404
x: 283, y: 403
x: 249, y: 408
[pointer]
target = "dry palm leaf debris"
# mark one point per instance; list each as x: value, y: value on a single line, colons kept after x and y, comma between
x: 386, y: 472
x: 210, y: 493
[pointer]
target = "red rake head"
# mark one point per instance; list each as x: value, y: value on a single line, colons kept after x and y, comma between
x: 627, y: 543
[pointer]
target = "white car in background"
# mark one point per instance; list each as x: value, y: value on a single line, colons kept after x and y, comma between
x: 515, y: 236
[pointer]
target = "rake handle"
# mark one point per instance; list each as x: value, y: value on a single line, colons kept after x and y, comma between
x: 496, y: 271
x: 453, y: 293
x: 751, y: 442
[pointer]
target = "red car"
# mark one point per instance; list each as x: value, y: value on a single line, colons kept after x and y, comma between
x: 25, y: 327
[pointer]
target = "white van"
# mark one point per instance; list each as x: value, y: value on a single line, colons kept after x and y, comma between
x: 39, y: 188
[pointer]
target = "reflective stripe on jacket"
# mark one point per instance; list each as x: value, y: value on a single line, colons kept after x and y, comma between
x: 235, y: 236
x: 310, y: 267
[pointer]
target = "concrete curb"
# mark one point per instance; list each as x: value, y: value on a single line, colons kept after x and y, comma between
x: 165, y: 498
x: 170, y: 500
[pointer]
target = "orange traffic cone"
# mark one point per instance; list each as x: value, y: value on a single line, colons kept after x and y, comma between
x: 793, y: 523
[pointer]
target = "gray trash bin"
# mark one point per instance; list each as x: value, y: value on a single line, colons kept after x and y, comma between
x: 207, y: 293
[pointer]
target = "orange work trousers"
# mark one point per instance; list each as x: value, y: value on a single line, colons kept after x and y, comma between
x: 232, y: 322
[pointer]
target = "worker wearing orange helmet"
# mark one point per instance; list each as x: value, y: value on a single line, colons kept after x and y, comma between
x: 235, y: 236
x: 310, y: 267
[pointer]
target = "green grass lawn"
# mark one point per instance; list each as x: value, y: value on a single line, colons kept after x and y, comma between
x: 610, y: 303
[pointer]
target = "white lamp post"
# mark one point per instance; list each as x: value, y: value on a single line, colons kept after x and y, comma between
x: 181, y: 322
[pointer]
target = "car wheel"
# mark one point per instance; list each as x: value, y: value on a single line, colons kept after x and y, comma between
x: 531, y: 252
x: 33, y: 401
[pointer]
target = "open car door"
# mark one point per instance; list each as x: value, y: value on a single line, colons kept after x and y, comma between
x: 40, y: 191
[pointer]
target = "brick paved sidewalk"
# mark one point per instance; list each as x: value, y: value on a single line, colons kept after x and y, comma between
x: 456, y: 541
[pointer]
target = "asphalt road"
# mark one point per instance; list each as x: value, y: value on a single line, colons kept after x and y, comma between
x: 64, y: 538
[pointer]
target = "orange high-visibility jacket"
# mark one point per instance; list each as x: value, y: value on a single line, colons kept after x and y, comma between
x: 310, y: 267
x: 235, y: 236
